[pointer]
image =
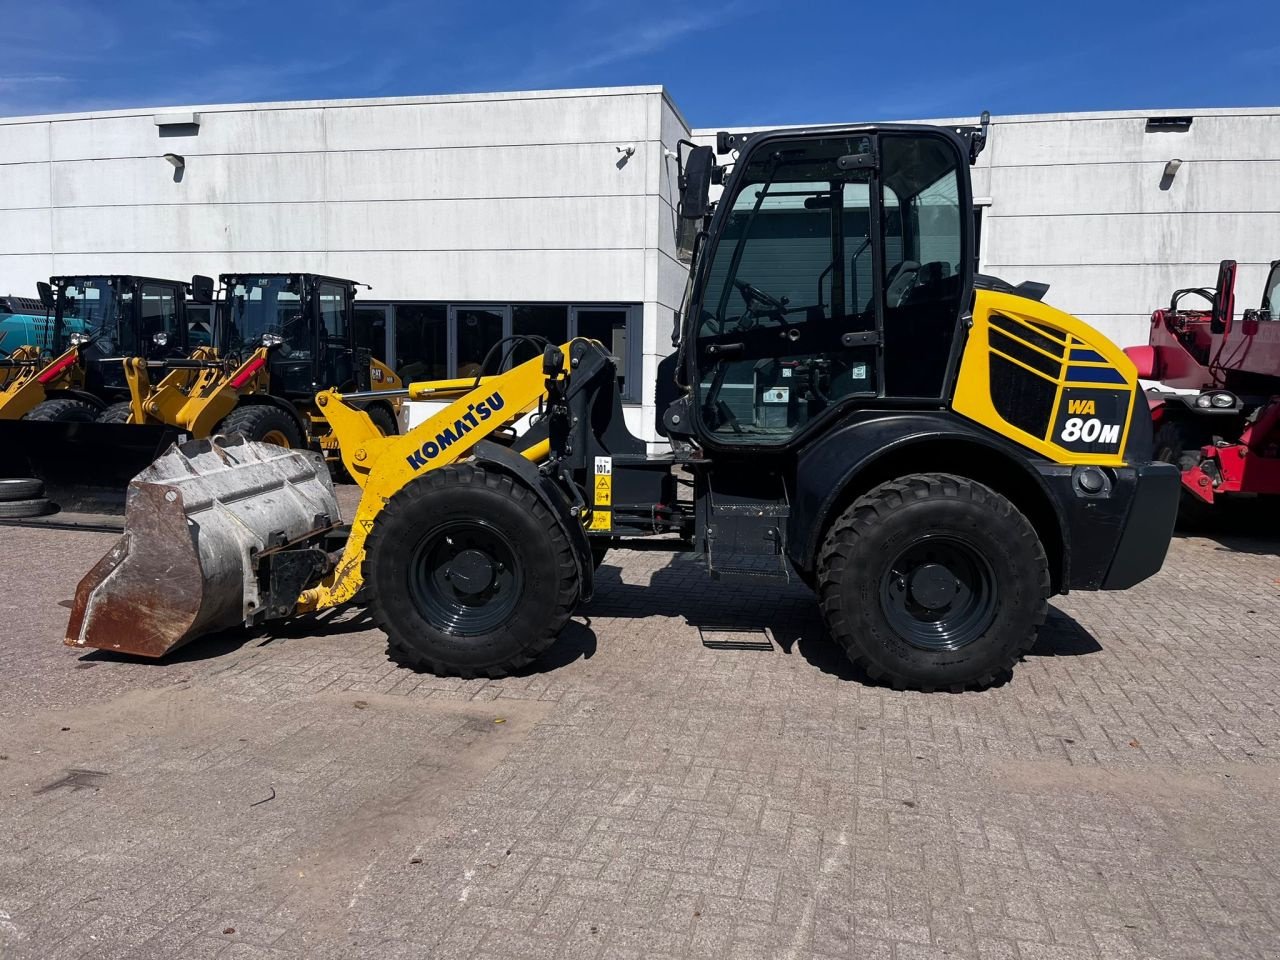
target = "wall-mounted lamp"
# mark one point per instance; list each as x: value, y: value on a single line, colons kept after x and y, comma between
x: 1171, y: 168
x: 177, y: 159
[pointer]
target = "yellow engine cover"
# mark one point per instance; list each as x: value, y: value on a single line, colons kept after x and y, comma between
x: 1046, y: 380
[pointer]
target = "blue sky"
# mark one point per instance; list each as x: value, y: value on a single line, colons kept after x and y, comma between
x: 726, y: 63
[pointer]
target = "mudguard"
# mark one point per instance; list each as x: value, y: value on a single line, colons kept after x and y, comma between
x: 502, y: 459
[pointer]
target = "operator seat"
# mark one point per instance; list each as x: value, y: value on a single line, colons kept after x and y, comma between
x: 901, y: 278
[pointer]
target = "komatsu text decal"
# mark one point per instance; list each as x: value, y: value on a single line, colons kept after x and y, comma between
x: 476, y: 414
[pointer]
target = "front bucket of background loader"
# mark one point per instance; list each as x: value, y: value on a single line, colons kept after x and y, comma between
x: 197, y: 523
x: 86, y: 467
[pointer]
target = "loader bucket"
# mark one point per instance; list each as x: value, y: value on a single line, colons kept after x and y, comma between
x: 197, y: 522
x: 86, y: 467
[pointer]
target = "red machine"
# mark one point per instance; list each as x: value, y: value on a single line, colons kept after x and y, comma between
x: 1226, y: 436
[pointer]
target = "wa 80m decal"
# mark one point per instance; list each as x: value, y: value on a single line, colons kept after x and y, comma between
x: 476, y: 413
x: 1091, y: 421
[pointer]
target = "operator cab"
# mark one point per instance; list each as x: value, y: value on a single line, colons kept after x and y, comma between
x: 836, y: 272
x: 115, y: 317
x: 304, y: 317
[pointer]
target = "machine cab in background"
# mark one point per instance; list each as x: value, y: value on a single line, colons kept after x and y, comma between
x: 838, y: 274
x: 119, y: 317
x: 305, y: 318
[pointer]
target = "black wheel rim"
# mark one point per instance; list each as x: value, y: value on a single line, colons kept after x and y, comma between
x: 464, y: 578
x: 939, y: 594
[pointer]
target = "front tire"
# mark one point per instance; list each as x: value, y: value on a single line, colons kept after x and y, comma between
x: 63, y: 410
x: 264, y: 424
x: 116, y: 413
x: 933, y: 581
x: 469, y: 573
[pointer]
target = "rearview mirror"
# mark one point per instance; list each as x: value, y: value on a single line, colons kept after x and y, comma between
x: 45, y: 293
x: 1224, y: 299
x: 695, y: 183
x: 201, y: 289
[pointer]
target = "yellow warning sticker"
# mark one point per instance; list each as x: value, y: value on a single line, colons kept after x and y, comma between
x: 601, y: 515
x: 604, y: 491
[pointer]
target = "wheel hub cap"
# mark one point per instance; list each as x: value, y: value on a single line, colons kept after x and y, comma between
x: 933, y: 586
x: 470, y: 572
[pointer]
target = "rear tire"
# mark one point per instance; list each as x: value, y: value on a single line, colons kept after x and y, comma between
x: 264, y: 424
x: 384, y: 420
x: 63, y: 410
x: 116, y: 413
x: 933, y: 581
x: 20, y: 488
x: 469, y: 573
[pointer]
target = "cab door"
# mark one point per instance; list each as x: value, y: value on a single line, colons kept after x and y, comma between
x: 1271, y: 291
x: 337, y: 360
x: 162, y: 333
x: 836, y: 276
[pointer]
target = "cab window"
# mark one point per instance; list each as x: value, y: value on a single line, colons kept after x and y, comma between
x: 837, y: 275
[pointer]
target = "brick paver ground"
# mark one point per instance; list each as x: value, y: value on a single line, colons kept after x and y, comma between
x: 648, y: 790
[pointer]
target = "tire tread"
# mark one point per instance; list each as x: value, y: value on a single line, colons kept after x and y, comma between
x: 406, y: 501
x: 873, y: 508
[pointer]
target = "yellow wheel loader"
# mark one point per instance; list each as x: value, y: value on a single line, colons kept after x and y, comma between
x: 934, y: 453
x: 278, y: 338
x: 98, y: 324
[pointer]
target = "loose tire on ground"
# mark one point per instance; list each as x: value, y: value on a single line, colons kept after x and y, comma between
x: 933, y: 581
x: 263, y: 423
x: 17, y: 509
x: 20, y: 488
x: 384, y: 420
x: 116, y: 413
x: 469, y: 573
x: 63, y: 410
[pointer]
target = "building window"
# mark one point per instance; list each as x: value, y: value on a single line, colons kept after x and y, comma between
x: 439, y: 341
x: 609, y: 325
x: 422, y: 341
x: 476, y: 331
x: 549, y: 321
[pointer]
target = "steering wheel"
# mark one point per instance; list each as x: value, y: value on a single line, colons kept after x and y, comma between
x: 777, y: 307
x: 755, y: 295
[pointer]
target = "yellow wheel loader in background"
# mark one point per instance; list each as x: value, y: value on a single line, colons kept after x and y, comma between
x: 278, y: 339
x: 934, y: 453
x: 47, y: 413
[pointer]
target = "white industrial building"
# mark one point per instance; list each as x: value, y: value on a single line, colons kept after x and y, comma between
x: 472, y: 216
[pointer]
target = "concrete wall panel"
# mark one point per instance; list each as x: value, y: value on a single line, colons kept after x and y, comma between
x: 24, y: 185
x: 24, y: 143
x: 553, y: 223
x: 475, y: 123
x: 554, y: 170
x: 236, y: 178
x: 24, y: 231
x: 497, y: 275
x: 19, y: 272
x: 229, y: 131
x: 1152, y: 238
x: 1052, y: 141
x: 224, y: 228
x: 1216, y: 186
